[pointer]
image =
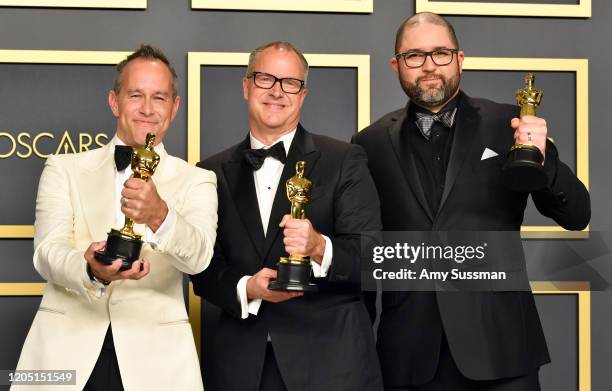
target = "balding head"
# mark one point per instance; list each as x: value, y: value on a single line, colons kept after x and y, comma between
x: 424, y: 18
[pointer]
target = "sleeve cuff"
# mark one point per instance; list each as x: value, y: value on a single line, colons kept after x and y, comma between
x: 98, y: 289
x: 246, y: 307
x: 320, y: 271
x: 156, y: 238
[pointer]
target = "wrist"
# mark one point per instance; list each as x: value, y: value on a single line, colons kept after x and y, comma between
x: 319, y: 249
x: 248, y: 290
x: 161, y: 216
x: 93, y: 277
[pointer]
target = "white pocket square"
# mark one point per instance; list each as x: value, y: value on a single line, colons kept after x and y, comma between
x: 488, y: 153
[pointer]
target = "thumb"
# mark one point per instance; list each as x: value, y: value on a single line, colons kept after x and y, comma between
x: 95, y: 246
x: 268, y: 273
x: 514, y: 123
x: 284, y: 221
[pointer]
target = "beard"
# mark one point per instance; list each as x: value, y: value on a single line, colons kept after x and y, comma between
x: 431, y: 96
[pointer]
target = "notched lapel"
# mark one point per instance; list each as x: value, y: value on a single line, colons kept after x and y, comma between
x: 302, y: 148
x: 242, y: 189
x: 466, y: 130
x: 406, y: 161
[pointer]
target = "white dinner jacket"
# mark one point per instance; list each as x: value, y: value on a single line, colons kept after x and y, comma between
x: 153, y: 338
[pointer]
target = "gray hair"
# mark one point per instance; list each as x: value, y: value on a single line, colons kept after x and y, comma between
x: 280, y: 46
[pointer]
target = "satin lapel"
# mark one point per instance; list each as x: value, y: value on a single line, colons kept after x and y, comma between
x: 96, y: 184
x: 241, y: 184
x: 405, y: 159
x: 302, y: 148
x: 466, y: 130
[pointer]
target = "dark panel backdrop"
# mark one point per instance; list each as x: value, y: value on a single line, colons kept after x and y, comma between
x: 56, y: 98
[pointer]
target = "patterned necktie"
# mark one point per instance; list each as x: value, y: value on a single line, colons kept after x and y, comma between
x: 425, y: 121
x: 123, y: 156
x: 256, y: 157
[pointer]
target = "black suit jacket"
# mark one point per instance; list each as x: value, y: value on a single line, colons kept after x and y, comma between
x: 491, y: 334
x: 322, y: 341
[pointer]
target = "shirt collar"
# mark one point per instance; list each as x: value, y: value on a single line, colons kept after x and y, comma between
x: 286, y: 139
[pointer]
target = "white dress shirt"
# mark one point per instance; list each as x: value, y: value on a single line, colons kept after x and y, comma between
x: 150, y: 237
x: 267, y: 179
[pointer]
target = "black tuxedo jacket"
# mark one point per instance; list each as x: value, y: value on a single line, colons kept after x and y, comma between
x: 491, y: 334
x: 324, y: 340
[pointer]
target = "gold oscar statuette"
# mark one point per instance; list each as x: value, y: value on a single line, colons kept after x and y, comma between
x: 294, y: 271
x: 523, y: 170
x: 124, y: 243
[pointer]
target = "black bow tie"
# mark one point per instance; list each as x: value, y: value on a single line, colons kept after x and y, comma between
x: 123, y: 156
x: 256, y: 157
x: 425, y: 121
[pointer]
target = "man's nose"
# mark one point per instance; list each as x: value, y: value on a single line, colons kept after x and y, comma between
x: 277, y: 89
x: 147, y: 106
x: 429, y: 65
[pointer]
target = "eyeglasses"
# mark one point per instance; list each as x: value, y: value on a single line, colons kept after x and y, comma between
x: 267, y: 81
x: 416, y: 58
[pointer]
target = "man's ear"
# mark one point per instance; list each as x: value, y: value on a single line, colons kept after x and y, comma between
x: 460, y: 58
x: 112, y: 103
x: 395, y: 65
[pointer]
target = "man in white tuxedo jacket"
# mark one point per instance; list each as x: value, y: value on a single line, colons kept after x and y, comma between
x: 122, y: 329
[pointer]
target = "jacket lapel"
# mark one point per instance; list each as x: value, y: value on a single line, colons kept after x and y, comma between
x: 406, y: 162
x: 302, y: 148
x: 466, y: 130
x: 96, y: 184
x: 242, y: 189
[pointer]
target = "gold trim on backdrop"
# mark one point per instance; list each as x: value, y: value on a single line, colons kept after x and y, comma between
x: 134, y: 4
x: 22, y: 288
x: 581, y: 290
x: 581, y: 69
x: 16, y: 231
x: 580, y: 10
x: 68, y: 57
x: 353, y: 6
x: 552, y: 232
x: 196, y: 60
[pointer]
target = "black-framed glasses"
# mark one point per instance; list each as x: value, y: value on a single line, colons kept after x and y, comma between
x: 416, y: 58
x: 289, y: 85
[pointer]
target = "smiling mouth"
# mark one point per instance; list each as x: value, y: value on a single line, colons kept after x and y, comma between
x: 143, y: 122
x: 275, y: 106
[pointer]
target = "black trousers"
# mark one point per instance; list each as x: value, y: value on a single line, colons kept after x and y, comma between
x: 106, y: 375
x: 271, y: 379
x: 449, y: 378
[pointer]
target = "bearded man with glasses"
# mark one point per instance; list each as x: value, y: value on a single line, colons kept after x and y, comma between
x: 437, y: 166
x: 273, y: 340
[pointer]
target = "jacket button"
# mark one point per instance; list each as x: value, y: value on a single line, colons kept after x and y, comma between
x: 562, y: 197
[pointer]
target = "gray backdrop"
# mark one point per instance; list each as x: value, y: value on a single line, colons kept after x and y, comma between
x: 58, y: 98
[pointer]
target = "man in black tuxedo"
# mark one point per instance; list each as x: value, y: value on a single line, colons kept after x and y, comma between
x: 275, y: 340
x: 437, y: 167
